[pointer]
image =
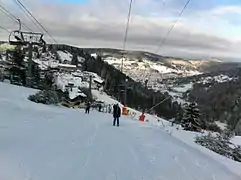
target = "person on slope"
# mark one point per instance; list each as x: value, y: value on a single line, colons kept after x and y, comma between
x: 87, y: 109
x: 116, y: 114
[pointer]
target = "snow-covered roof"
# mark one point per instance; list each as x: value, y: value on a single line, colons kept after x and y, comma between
x: 184, y: 88
x: 94, y: 55
x: 66, y: 65
x: 220, y: 79
x: 98, y: 80
x: 75, y: 93
x: 65, y: 56
x: 63, y: 79
x: 95, y: 76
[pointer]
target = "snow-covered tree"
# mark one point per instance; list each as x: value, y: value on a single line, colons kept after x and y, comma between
x: 36, y: 75
x: 44, y: 49
x: 17, y: 69
x: 45, y: 97
x: 191, y: 118
x: 220, y: 143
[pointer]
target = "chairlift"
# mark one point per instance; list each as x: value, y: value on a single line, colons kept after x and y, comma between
x: 24, y: 38
x: 18, y: 37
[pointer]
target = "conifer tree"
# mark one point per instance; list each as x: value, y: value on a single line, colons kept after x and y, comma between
x: 17, y: 70
x: 191, y: 118
x: 75, y: 60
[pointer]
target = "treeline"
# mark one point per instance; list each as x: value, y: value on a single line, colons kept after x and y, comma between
x: 216, y: 101
x: 116, y: 83
x: 137, y: 96
x: 219, y: 102
x: 20, y: 72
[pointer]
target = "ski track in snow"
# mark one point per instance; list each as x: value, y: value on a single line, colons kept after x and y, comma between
x: 42, y: 142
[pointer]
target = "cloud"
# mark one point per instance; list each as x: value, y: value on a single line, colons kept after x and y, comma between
x: 226, y: 10
x: 101, y: 23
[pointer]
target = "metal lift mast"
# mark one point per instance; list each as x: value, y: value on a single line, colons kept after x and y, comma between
x: 21, y: 38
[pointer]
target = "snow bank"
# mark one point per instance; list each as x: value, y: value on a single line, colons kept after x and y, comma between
x: 188, y: 138
x: 103, y: 97
x: 236, y: 140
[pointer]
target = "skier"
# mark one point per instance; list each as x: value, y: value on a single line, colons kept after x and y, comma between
x: 116, y: 114
x: 109, y: 108
x: 87, y: 109
x: 100, y: 107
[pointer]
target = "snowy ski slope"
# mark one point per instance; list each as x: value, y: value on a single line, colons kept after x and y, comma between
x: 41, y: 142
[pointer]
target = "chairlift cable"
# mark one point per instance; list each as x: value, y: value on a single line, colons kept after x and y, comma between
x: 173, y: 26
x: 12, y: 16
x: 126, y: 32
x: 28, y: 12
x: 4, y: 29
x: 30, y: 18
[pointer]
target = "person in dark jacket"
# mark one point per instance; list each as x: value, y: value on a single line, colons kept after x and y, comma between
x: 116, y: 114
x: 100, y: 107
x: 87, y: 109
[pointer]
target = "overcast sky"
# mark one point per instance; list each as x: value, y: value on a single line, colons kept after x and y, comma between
x: 207, y: 27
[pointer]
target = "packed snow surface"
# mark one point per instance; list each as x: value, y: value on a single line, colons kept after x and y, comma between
x: 45, y: 142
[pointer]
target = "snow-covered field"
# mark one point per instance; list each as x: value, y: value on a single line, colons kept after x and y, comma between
x: 219, y: 79
x: 45, y: 142
x: 155, y: 72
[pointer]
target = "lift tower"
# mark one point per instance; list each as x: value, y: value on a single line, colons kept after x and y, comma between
x: 22, y: 38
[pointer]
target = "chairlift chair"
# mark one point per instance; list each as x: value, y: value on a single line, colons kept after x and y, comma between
x: 23, y: 38
x: 19, y: 37
x: 16, y: 38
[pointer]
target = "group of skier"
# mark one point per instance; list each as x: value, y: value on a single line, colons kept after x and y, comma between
x: 116, y: 112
